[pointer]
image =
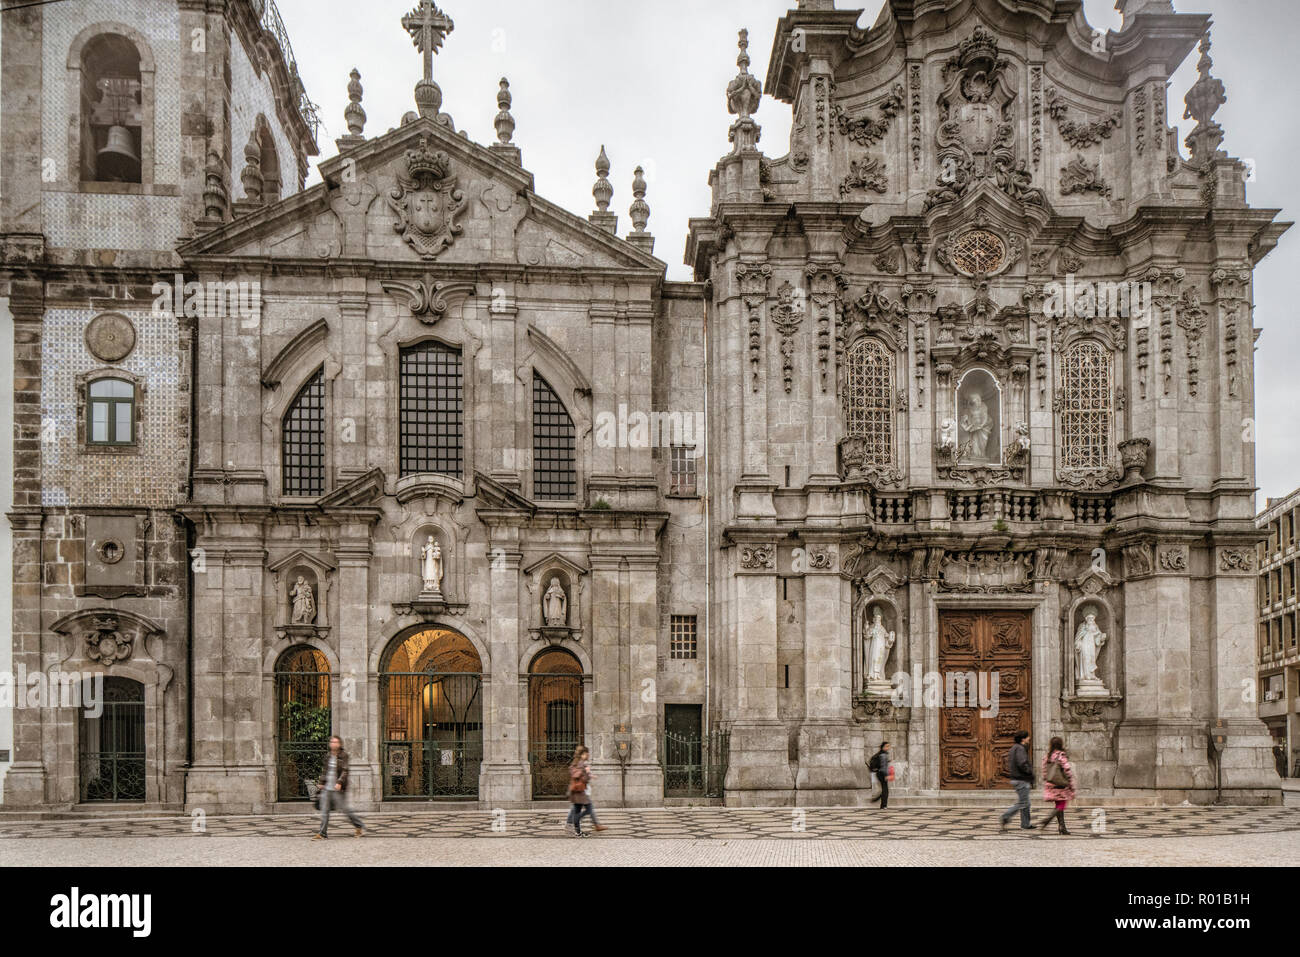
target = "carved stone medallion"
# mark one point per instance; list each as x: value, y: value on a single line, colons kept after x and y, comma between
x: 110, y: 337
x: 427, y: 201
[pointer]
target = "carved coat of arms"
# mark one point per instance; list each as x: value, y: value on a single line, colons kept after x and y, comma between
x: 427, y: 201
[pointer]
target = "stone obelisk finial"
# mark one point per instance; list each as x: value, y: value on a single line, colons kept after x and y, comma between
x: 505, y: 125
x: 640, y: 213
x: 1203, y: 101
x: 743, y: 96
x: 604, y: 192
x: 353, y: 114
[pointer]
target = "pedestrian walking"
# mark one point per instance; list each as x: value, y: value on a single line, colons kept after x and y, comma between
x: 579, y: 777
x: 1021, y: 773
x: 1059, y: 783
x: 883, y: 769
x: 334, y: 790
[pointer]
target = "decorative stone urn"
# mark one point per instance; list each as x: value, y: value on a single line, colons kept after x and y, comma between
x: 1133, y: 455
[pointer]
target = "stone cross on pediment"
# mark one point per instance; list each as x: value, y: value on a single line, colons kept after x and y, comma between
x: 428, y: 26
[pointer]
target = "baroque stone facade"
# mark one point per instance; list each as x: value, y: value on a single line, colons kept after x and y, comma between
x: 415, y: 456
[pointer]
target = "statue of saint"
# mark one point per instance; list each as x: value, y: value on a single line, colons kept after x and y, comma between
x: 977, y: 425
x: 1088, y: 641
x: 555, y: 605
x: 304, y: 603
x: 879, y: 641
x: 431, y: 566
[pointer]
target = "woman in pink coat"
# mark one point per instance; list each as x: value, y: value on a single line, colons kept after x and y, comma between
x: 1061, y: 795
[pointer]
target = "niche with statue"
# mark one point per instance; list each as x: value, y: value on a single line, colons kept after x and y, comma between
x: 555, y: 585
x: 1091, y: 652
x: 429, y: 558
x: 302, y: 582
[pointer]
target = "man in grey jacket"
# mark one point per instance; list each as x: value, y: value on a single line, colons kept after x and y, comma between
x: 1021, y: 773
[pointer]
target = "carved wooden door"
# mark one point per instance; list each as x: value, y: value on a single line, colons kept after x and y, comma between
x: 974, y: 740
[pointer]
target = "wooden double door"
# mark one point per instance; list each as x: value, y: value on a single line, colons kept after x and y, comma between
x: 974, y: 740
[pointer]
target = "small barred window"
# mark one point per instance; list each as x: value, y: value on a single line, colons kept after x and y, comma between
x: 682, y: 478
x: 979, y: 252
x: 681, y: 638
x: 869, y: 400
x: 1087, y: 409
x: 303, y: 440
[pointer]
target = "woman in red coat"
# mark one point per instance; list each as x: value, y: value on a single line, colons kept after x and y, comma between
x: 1061, y: 794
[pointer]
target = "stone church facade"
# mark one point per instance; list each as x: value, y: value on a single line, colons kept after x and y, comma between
x: 414, y: 456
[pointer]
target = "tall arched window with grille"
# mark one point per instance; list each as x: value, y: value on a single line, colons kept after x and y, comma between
x: 1087, y: 406
x: 303, y: 440
x: 555, y: 476
x: 432, y: 410
x: 869, y: 400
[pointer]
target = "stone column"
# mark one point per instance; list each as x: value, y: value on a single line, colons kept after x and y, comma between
x: 644, y: 784
x: 831, y: 770
x: 758, y: 772
x: 352, y: 642
x: 501, y: 394
x: 1247, y: 772
x: 504, y: 779
x: 26, y: 778
x: 1160, y: 746
x: 610, y: 676
x: 350, y: 386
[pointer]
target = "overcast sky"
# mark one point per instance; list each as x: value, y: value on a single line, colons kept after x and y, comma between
x: 647, y: 80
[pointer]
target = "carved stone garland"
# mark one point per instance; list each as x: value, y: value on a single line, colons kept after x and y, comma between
x: 787, y: 317
x: 826, y: 286
x: 1231, y: 286
x: 753, y: 279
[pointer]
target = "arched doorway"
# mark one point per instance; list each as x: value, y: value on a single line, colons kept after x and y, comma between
x: 555, y: 720
x: 112, y: 742
x: 431, y: 691
x: 303, y: 721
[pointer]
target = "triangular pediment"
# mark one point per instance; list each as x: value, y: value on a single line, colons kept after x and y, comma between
x: 365, y: 489
x: 322, y: 563
x: 422, y: 196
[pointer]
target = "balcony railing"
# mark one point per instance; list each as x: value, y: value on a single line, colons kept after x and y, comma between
x: 271, y: 21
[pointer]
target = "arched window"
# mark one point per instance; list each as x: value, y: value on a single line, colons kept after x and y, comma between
x: 303, y: 440
x: 112, y: 112
x: 554, y: 473
x: 869, y: 400
x: 110, y: 413
x: 270, y: 162
x: 112, y: 749
x: 1087, y: 407
x: 432, y: 410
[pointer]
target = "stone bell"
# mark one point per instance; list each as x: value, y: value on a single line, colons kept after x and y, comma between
x: 117, y: 161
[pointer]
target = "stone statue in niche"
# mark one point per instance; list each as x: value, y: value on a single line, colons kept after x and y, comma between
x: 431, y: 567
x: 979, y: 421
x: 555, y: 606
x: 1088, y: 642
x: 304, y: 602
x: 878, y: 641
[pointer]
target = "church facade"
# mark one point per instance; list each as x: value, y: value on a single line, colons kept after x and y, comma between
x: 947, y: 438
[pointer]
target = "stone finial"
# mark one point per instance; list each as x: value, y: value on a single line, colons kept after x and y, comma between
x: 604, y: 192
x: 251, y: 175
x: 1203, y: 101
x: 639, y: 211
x: 744, y: 92
x: 604, y: 189
x: 505, y: 123
x: 353, y: 113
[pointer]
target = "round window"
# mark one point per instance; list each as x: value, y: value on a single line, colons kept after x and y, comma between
x: 111, y: 552
x: 979, y: 252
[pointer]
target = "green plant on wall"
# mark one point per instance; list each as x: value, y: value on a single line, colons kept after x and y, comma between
x: 306, y: 722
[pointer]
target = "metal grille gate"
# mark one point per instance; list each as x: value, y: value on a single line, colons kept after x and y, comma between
x: 694, y: 765
x: 303, y: 721
x: 555, y: 730
x: 112, y: 745
x: 433, y: 735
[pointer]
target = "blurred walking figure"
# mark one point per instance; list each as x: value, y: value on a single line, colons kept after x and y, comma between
x: 334, y: 789
x: 579, y: 777
x: 1021, y: 773
x: 884, y: 772
x: 1059, y: 783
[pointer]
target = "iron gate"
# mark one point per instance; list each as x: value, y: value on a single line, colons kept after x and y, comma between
x: 555, y: 730
x: 302, y: 702
x: 694, y: 765
x: 112, y: 745
x: 433, y: 735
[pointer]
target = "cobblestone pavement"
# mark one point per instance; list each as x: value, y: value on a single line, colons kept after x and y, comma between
x: 696, y: 824
x: 607, y: 850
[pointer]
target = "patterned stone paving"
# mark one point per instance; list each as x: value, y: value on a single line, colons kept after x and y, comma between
x: 699, y: 823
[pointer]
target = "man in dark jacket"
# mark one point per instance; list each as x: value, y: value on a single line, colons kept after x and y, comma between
x: 1021, y: 773
x: 333, y: 789
x: 879, y: 765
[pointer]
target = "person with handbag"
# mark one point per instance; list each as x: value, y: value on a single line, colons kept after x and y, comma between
x: 883, y: 769
x: 1059, y: 783
x: 580, y: 803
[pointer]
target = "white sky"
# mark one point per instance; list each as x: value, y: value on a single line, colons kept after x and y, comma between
x: 647, y: 79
